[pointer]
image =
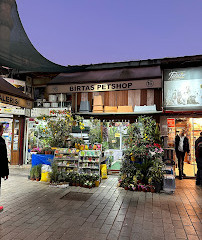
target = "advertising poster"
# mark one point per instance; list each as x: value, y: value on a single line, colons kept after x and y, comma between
x: 183, y: 88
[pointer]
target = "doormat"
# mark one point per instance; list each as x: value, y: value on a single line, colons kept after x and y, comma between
x: 77, y: 196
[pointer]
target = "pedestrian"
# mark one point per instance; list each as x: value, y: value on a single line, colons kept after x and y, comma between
x: 4, y: 171
x: 198, y: 153
x: 181, y: 147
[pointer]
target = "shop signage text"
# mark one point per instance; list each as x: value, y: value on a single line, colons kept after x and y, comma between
x: 15, y: 101
x: 109, y: 86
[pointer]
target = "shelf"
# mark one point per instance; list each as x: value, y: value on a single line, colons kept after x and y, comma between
x: 67, y: 166
x: 117, y: 113
x: 88, y: 162
x: 65, y: 159
x: 90, y: 168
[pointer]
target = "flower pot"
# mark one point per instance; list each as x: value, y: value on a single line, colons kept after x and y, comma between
x: 153, y: 190
x: 77, y: 184
x: 37, y: 179
x: 73, y: 184
x: 97, y: 183
x: 144, y: 190
x: 126, y: 188
x: 48, y: 152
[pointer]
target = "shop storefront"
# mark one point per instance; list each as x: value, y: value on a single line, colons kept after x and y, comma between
x: 183, y: 110
x: 115, y: 96
x: 14, y: 106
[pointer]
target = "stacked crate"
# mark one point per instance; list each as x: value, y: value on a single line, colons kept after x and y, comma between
x: 97, y: 104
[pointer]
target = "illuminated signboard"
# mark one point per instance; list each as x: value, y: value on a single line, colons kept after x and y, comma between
x: 183, y: 89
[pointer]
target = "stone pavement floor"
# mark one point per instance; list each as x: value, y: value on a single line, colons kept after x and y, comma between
x: 34, y: 210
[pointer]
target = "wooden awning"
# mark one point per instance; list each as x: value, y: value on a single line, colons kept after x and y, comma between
x: 13, y: 96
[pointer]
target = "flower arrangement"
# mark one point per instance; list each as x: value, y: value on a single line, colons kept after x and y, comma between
x: 142, y: 164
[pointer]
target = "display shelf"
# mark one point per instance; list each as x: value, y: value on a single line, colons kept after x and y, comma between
x: 65, y: 157
x: 89, y: 161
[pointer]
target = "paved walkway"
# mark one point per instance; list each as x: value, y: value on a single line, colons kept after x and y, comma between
x: 34, y: 210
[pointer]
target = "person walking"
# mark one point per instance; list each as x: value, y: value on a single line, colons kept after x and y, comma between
x: 4, y: 171
x: 181, y: 147
x: 198, y: 154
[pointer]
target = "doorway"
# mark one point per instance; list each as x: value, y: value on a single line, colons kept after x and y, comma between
x: 17, y: 140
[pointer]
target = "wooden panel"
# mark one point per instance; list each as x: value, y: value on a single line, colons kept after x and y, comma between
x: 73, y: 101
x: 112, y: 98
x: 143, y: 97
x: 158, y: 99
x: 106, y: 96
x: 78, y: 100
x: 122, y: 98
x: 137, y: 97
x: 131, y: 98
x: 90, y: 99
x: 150, y: 97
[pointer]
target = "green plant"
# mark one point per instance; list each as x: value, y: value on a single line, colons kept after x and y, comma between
x: 37, y: 171
x: 95, y: 135
x: 55, y: 173
x: 32, y: 173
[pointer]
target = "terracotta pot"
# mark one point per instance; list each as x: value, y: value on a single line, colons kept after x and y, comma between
x: 73, y: 184
x: 48, y: 152
x: 153, y: 190
x: 37, y: 179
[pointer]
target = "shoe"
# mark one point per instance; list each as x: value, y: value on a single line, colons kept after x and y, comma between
x: 1, y: 208
x: 180, y: 178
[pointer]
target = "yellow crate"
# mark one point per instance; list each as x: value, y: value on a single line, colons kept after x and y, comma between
x: 110, y: 109
x: 122, y: 109
x: 98, y: 108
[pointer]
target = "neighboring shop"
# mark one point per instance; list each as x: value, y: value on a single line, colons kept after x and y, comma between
x: 14, y: 106
x: 183, y: 110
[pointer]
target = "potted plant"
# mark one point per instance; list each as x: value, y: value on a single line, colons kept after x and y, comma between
x: 47, y: 150
x: 32, y: 177
x: 38, y: 172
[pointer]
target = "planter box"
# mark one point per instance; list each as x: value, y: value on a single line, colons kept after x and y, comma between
x: 123, y: 109
x: 110, y: 109
x: 98, y: 108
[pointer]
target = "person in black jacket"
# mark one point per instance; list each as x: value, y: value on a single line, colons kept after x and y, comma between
x: 4, y: 171
x: 198, y: 153
x: 181, y: 147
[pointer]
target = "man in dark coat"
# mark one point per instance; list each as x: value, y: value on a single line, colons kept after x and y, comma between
x: 198, y: 153
x: 181, y: 147
x: 4, y: 171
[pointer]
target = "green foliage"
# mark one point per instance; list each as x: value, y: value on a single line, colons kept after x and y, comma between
x: 95, y: 135
x: 55, y: 173
x: 143, y: 157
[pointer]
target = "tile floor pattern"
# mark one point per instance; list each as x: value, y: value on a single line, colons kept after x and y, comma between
x: 34, y: 210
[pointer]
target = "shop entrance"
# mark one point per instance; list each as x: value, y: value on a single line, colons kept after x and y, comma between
x: 192, y: 127
x: 17, y: 141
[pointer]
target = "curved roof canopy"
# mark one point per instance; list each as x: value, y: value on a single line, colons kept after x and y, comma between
x: 16, y: 50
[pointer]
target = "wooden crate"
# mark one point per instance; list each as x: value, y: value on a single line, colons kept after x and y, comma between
x: 98, y: 108
x: 110, y: 109
x: 122, y: 109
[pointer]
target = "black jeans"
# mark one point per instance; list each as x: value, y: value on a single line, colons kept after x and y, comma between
x: 199, y: 171
x: 180, y: 157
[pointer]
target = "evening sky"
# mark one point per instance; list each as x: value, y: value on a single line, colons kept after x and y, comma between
x: 74, y: 32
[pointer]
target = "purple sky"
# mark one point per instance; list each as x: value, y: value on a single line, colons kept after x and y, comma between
x: 74, y: 32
